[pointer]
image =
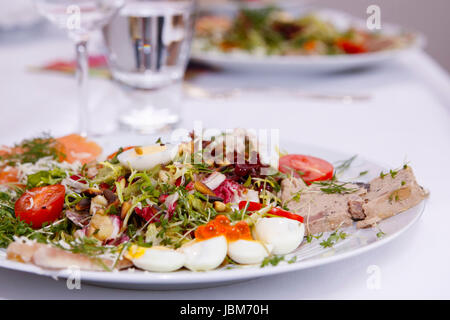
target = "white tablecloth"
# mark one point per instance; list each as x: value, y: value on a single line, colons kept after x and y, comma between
x: 407, y: 116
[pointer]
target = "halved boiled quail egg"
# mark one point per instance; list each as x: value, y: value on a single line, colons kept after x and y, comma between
x: 157, y: 259
x: 284, y: 234
x: 205, y: 254
x: 248, y: 251
x: 145, y: 158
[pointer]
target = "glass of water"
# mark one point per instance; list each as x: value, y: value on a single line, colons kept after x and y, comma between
x: 148, y: 45
x: 80, y: 18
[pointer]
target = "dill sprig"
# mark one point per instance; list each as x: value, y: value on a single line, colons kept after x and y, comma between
x: 342, y: 166
x: 88, y: 246
x: 310, y: 237
x: 10, y: 226
x: 333, y: 187
x: 30, y: 151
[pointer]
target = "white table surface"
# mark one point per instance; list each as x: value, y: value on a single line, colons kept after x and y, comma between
x: 406, y: 117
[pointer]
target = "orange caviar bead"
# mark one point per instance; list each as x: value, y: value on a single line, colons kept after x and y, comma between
x: 211, y: 230
x: 232, y: 234
x: 222, y: 223
x: 200, y: 232
x: 223, y: 220
x: 244, y: 230
x: 221, y: 226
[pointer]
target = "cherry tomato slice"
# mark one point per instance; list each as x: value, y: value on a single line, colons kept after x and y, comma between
x: 39, y: 205
x: 310, y: 168
x: 351, y: 47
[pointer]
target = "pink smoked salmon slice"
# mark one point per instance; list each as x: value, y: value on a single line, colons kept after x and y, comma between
x: 9, y: 175
x: 76, y: 147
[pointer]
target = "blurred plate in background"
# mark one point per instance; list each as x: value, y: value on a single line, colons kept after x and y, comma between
x: 244, y: 61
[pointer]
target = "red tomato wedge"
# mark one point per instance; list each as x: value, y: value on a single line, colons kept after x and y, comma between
x: 39, y: 205
x: 351, y: 47
x: 308, y: 167
x: 76, y: 147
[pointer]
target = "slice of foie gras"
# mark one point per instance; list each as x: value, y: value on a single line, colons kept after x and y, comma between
x: 390, y: 195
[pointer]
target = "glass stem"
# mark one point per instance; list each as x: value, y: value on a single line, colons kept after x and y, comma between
x: 82, y: 73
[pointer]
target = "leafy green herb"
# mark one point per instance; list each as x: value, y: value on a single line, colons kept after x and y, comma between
x: 87, y: 246
x: 72, y: 199
x: 342, y: 166
x: 363, y: 173
x: 333, y: 238
x: 109, y: 173
x: 115, y: 160
x: 248, y: 182
x: 10, y: 226
x: 45, y: 178
x: 229, y: 260
x: 393, y: 173
x: 273, y: 260
x: 331, y: 187
x: 296, y: 196
x: 30, y: 151
x: 310, y: 237
x: 380, y: 234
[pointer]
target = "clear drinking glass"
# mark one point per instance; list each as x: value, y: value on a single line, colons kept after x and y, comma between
x: 148, y: 45
x: 80, y: 18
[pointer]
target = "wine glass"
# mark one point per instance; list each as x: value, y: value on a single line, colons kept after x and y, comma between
x: 80, y: 18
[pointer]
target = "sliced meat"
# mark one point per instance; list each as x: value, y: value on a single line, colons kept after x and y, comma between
x: 49, y: 257
x: 21, y: 252
x: 323, y: 211
x: 355, y: 207
x: 390, y: 195
x: 290, y: 188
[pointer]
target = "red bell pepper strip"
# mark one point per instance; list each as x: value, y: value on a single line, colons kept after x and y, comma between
x: 255, y: 206
x: 286, y: 214
x: 252, y: 206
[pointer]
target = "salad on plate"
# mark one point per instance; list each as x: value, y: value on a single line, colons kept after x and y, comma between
x: 200, y: 204
x: 271, y: 31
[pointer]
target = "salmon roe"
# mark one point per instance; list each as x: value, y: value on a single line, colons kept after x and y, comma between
x: 221, y: 226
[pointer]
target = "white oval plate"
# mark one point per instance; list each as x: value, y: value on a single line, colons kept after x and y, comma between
x: 244, y: 61
x: 308, y: 254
